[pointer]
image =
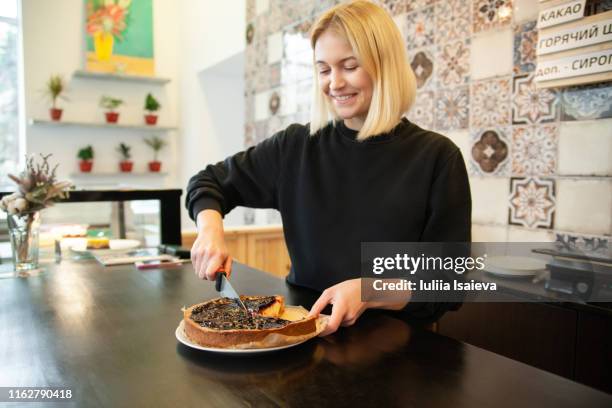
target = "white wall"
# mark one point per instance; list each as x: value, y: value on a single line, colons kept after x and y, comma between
x: 53, y: 43
x: 198, y: 45
x: 212, y: 87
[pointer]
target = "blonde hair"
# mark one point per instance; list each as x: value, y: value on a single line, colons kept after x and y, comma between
x: 379, y: 47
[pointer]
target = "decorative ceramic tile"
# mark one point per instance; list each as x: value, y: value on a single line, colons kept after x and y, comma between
x: 274, y: 102
x: 453, y: 20
x: 491, y: 54
x: 420, y: 28
x: 249, y: 107
x: 489, y: 200
x: 275, y: 124
x: 490, y: 103
x: 489, y: 233
x: 587, y: 102
x: 395, y: 7
x: 274, y: 74
x: 490, y: 153
x: 525, y: 10
x: 461, y: 138
x: 262, y: 112
x: 261, y: 131
x: 261, y: 6
x: 287, y: 12
x: 250, y: 10
x: 423, y: 66
x: 583, y: 205
x: 422, y: 112
x: 532, y: 202
x: 249, y: 135
x: 525, y: 43
x: 452, y: 108
x: 419, y: 4
x: 289, y: 98
x: 275, y: 47
x: 522, y: 234
x: 585, y: 148
x: 320, y: 6
x: 453, y: 63
x: 488, y: 14
x: 531, y: 104
x: 250, y: 33
x: 534, y: 150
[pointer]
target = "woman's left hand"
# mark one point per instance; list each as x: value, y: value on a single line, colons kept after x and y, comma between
x: 345, y: 298
x: 347, y: 305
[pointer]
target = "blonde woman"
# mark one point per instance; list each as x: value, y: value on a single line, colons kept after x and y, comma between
x: 357, y: 172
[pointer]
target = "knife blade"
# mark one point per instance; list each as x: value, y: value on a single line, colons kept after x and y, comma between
x: 223, y: 286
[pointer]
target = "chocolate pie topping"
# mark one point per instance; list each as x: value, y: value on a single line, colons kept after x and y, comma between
x: 225, y: 314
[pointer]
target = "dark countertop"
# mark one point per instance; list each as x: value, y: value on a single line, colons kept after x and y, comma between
x: 108, y: 334
x: 522, y: 289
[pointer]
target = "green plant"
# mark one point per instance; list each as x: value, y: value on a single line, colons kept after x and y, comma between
x: 110, y: 103
x: 151, y: 104
x: 124, y: 150
x: 54, y: 88
x: 86, y: 153
x: 156, y: 144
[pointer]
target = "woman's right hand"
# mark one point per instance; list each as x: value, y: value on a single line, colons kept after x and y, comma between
x: 209, y: 252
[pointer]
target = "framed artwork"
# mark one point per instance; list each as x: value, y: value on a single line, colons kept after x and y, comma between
x: 119, y: 37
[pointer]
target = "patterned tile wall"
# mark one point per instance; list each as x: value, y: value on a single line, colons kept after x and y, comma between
x: 474, y: 61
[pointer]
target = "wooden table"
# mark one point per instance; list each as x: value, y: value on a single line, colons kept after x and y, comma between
x: 108, y: 335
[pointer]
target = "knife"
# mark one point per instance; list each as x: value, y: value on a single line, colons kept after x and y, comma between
x: 223, y: 286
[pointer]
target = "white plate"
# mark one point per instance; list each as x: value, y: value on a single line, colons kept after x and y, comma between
x: 80, y: 245
x: 514, y: 266
x: 180, y: 336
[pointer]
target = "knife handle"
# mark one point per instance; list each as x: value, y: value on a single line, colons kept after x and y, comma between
x: 220, y: 272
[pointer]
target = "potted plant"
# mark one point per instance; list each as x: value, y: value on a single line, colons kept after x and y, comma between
x: 125, y: 164
x: 151, y: 105
x: 156, y: 144
x: 110, y: 104
x: 54, y: 89
x: 86, y: 155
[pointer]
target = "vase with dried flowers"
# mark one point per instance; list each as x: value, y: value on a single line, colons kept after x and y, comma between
x: 38, y: 189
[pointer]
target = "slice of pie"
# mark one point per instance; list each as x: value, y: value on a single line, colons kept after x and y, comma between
x: 222, y: 323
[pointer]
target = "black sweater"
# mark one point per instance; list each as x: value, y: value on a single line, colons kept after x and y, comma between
x: 334, y: 192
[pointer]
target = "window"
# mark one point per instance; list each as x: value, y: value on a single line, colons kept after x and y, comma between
x: 10, y: 154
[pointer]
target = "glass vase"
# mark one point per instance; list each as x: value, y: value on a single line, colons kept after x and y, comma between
x: 23, y: 232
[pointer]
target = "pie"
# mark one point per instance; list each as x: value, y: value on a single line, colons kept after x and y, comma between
x: 222, y: 323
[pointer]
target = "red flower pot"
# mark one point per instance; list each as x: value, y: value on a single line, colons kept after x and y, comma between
x: 56, y: 114
x: 85, y: 166
x: 151, y: 119
x: 126, y: 166
x: 154, y: 166
x: 112, y: 117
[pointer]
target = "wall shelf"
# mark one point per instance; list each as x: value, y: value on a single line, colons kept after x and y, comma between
x: 117, y: 174
x: 147, y: 128
x: 120, y: 77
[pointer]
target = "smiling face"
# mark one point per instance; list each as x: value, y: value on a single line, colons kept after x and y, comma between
x: 343, y: 81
